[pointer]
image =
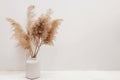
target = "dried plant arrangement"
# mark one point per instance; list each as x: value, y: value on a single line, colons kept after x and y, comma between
x: 39, y: 31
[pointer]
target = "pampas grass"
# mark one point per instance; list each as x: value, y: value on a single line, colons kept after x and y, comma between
x: 39, y: 32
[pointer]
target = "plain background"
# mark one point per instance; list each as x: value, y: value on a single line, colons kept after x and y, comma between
x: 88, y: 39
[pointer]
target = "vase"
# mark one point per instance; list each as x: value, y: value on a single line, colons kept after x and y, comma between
x: 32, y: 68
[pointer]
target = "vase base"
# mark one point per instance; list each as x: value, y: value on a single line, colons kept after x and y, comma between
x: 32, y: 78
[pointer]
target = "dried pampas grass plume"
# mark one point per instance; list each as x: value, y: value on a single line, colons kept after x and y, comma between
x: 30, y: 17
x: 52, y: 31
x: 19, y: 34
x: 39, y: 32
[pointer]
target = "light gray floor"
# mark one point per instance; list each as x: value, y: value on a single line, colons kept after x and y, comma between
x: 63, y: 75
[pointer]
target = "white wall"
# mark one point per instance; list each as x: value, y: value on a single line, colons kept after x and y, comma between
x: 88, y: 39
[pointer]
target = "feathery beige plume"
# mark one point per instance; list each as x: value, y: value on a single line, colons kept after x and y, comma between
x: 19, y: 34
x: 52, y: 31
x: 30, y: 17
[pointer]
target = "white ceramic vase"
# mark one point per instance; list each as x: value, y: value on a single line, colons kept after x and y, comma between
x: 32, y: 68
